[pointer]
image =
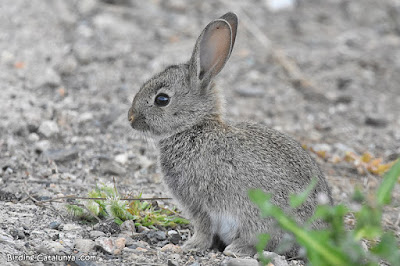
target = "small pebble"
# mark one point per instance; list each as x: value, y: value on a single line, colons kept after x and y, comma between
x: 84, y: 245
x: 55, y: 225
x: 142, y: 229
x: 96, y: 234
x: 105, y: 244
x: 42, y: 146
x: 250, y: 91
x: 33, y: 137
x: 174, y: 236
x: 121, y: 158
x: 71, y: 227
x: 48, y: 128
x: 129, y: 226
x: 120, y: 243
x: 171, y: 248
x: 376, y: 121
x: 240, y: 262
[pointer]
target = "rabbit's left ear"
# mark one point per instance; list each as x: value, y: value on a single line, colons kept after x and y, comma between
x: 213, y: 48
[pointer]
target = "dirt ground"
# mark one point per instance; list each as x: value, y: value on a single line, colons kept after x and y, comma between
x: 69, y: 71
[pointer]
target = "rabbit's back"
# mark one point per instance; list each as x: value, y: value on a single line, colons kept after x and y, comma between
x: 218, y: 162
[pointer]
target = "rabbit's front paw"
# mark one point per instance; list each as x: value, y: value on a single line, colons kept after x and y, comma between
x: 197, y: 243
x: 237, y: 249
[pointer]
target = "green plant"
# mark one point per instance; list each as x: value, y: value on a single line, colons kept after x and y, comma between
x: 105, y: 201
x: 335, y: 245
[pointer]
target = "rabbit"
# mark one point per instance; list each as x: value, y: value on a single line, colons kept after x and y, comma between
x: 209, y: 164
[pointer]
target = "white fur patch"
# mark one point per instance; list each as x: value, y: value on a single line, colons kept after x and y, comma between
x: 225, y: 226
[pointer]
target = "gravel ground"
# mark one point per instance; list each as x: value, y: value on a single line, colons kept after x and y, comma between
x: 69, y: 70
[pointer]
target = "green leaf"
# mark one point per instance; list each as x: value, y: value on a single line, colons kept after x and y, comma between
x: 368, y: 223
x: 385, y: 189
x: 388, y: 249
x: 333, y: 215
x: 118, y: 221
x: 262, y: 243
x: 76, y: 210
x: 358, y: 196
x: 93, y: 207
x: 297, y: 200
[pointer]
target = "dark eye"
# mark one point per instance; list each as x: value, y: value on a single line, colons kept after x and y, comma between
x: 162, y: 99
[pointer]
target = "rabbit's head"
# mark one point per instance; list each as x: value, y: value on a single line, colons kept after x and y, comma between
x: 182, y: 95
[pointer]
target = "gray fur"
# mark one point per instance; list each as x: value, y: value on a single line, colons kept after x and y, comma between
x: 210, y: 164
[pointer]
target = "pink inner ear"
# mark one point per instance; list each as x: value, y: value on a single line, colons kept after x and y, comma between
x: 215, y: 47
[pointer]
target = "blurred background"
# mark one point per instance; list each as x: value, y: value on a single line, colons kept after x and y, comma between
x: 325, y: 72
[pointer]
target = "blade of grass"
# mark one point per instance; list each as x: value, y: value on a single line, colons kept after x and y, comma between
x: 384, y: 193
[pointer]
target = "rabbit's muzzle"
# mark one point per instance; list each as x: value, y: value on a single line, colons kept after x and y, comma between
x: 137, y: 121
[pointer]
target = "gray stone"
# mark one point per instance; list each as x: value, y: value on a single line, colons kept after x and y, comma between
x: 129, y: 226
x: 275, y: 6
x: 95, y: 234
x: 85, y: 117
x: 250, y: 91
x: 155, y: 236
x: 345, y: 99
x: 51, y: 248
x: 17, y: 233
x: 68, y: 65
x: 105, y: 243
x: 84, y: 245
x: 322, y: 147
x: 112, y: 168
x: 62, y: 155
x: 42, y: 145
x: 121, y: 158
x: 240, y: 262
x: 276, y: 259
x: 49, y: 79
x: 128, y: 240
x: 144, y: 162
x: 54, y: 225
x: 71, y: 227
x: 6, y: 238
x: 33, y: 137
x: 375, y: 121
x: 108, y: 227
x: 175, y: 5
x: 173, y: 262
x: 174, y: 236
x: 48, y: 128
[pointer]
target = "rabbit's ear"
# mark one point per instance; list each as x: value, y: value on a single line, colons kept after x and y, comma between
x: 232, y: 19
x: 213, y: 48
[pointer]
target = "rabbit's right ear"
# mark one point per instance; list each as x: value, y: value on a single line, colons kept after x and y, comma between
x: 213, y: 48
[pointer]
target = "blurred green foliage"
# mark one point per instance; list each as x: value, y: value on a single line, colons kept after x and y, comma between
x: 336, y: 245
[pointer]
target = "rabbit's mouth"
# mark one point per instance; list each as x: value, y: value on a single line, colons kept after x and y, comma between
x: 140, y: 125
x: 138, y: 122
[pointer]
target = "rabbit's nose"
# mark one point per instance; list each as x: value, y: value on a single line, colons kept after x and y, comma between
x: 131, y: 116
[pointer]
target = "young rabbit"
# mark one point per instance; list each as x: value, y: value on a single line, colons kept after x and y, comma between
x: 210, y: 164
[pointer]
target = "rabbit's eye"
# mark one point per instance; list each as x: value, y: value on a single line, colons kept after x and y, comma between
x: 162, y: 99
